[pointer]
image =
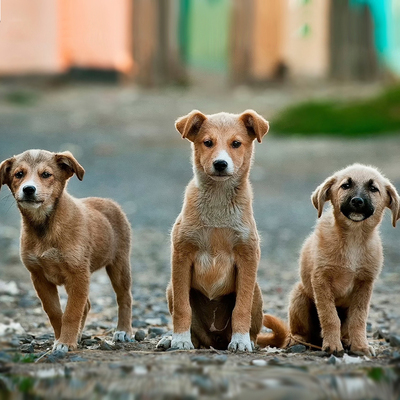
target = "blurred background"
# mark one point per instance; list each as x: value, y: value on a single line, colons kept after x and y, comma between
x: 106, y: 80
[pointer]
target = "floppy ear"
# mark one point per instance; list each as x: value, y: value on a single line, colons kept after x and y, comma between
x: 393, y: 202
x: 68, y: 163
x: 5, y: 168
x: 189, y: 125
x: 255, y: 124
x: 322, y: 194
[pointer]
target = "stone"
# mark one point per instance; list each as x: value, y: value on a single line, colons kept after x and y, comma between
x: 105, y: 346
x: 259, y: 363
x: 394, y: 340
x: 139, y: 324
x: 157, y: 331
x: 297, y: 348
x: 27, y: 348
x: 140, y: 335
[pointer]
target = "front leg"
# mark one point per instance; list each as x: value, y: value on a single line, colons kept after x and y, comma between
x: 48, y: 295
x: 246, y: 260
x: 181, y: 310
x: 77, y: 288
x: 327, y: 314
x: 357, y: 317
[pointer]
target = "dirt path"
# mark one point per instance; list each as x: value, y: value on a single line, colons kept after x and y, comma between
x: 126, y: 142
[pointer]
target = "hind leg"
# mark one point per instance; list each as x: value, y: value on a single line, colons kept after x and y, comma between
x: 256, y: 314
x: 85, y: 313
x: 302, y: 321
x: 120, y: 276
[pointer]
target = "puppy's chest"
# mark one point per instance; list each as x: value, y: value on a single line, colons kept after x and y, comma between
x: 214, y: 262
x: 50, y: 262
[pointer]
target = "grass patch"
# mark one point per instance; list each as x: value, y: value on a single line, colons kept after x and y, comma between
x: 380, y: 114
x: 21, y: 98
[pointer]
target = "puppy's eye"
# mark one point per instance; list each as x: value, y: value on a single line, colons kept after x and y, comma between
x: 19, y: 174
x: 45, y: 175
x: 236, y: 144
x: 345, y: 186
x: 373, y: 188
x: 208, y: 143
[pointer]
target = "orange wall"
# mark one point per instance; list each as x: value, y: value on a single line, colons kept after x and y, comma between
x: 48, y: 36
x: 97, y: 33
x: 29, y: 39
x: 307, y: 56
x: 268, y: 37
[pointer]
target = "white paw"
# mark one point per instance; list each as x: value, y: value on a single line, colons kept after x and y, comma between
x: 60, y: 347
x: 121, y: 336
x: 182, y: 341
x: 241, y: 342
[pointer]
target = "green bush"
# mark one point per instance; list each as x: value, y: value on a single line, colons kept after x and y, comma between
x: 380, y: 114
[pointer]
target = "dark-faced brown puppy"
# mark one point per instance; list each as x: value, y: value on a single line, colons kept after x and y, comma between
x: 339, y: 263
x: 65, y: 239
x: 213, y: 296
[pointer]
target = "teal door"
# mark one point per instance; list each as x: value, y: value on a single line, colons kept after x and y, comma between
x: 204, y: 33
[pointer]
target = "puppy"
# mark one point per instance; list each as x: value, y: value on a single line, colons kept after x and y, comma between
x: 64, y: 240
x: 339, y: 263
x: 213, y: 296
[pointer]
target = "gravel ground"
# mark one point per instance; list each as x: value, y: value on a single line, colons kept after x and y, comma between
x: 126, y: 141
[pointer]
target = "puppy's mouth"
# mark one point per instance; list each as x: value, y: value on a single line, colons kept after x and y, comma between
x: 30, y: 203
x: 358, y: 215
x: 220, y: 177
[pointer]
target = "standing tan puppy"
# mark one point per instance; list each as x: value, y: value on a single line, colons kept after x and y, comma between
x: 64, y: 240
x: 339, y: 263
x: 213, y: 295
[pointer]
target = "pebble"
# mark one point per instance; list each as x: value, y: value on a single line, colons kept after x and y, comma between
x: 320, y: 353
x: 55, y: 356
x: 157, y: 331
x: 105, y: 346
x: 394, y: 340
x: 381, y: 334
x: 140, y: 335
x: 332, y: 360
x: 259, y: 363
x: 27, y: 348
x: 205, y: 385
x: 297, y: 348
x: 139, y: 324
x: 89, y: 342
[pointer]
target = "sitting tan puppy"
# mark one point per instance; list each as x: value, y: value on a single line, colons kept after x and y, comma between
x: 339, y: 263
x: 213, y: 295
x: 65, y: 239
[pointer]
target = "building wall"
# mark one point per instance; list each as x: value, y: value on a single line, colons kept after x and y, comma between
x: 49, y: 36
x: 29, y: 37
x: 268, y: 35
x: 306, y: 38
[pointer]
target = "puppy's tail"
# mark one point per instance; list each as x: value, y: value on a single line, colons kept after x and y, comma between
x: 279, y: 336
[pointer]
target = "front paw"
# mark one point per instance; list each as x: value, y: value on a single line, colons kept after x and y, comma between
x: 182, y: 341
x: 241, y: 342
x: 364, y: 350
x: 333, y: 347
x: 63, y: 347
x: 121, y: 336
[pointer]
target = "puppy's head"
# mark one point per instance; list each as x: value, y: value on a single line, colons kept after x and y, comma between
x: 358, y: 193
x: 222, y: 143
x: 37, y: 178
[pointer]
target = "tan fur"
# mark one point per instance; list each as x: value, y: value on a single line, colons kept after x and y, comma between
x: 64, y: 240
x: 339, y: 263
x: 215, y: 243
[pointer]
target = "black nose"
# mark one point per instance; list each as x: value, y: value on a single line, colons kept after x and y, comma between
x: 29, y: 190
x: 357, y: 202
x: 220, y: 165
